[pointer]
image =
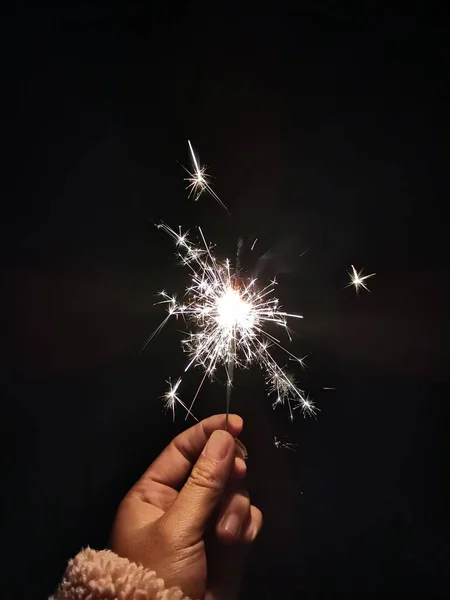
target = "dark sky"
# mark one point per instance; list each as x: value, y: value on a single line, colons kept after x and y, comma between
x: 325, y: 127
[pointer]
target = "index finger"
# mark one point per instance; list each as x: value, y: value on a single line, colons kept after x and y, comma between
x: 173, y: 465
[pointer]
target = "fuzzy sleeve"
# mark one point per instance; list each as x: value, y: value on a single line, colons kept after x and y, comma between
x: 102, y: 575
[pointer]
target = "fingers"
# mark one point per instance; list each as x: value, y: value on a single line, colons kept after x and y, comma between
x: 240, y: 468
x: 227, y: 568
x: 234, y: 517
x: 239, y: 521
x: 254, y: 526
x: 203, y: 490
x: 174, y: 464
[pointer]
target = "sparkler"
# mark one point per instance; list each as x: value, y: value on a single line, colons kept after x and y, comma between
x: 230, y: 317
x: 229, y: 321
x: 357, y: 279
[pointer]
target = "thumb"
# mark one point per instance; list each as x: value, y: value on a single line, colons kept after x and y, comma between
x: 203, y: 490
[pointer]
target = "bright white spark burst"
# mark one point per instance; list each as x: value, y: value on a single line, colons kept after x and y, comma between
x: 198, y: 180
x: 172, y: 398
x: 357, y: 279
x: 228, y: 316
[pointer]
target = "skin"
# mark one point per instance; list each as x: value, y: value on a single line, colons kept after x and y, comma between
x: 189, y: 517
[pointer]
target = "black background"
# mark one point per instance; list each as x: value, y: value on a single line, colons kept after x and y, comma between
x: 326, y: 128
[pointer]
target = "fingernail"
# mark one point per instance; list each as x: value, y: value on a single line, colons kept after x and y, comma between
x: 241, y: 464
x: 218, y: 445
x: 251, y: 533
x: 232, y: 524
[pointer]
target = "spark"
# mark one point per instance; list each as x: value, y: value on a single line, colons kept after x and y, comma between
x: 282, y: 383
x: 357, y: 279
x: 171, y: 398
x: 198, y: 180
x: 281, y: 445
x: 231, y: 322
x: 307, y: 406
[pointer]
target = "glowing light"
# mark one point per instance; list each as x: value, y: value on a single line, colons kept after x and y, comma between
x: 171, y: 398
x: 229, y: 320
x: 357, y: 279
x: 198, y: 180
x: 233, y: 311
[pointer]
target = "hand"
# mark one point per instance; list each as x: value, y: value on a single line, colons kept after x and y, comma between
x: 183, y: 514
